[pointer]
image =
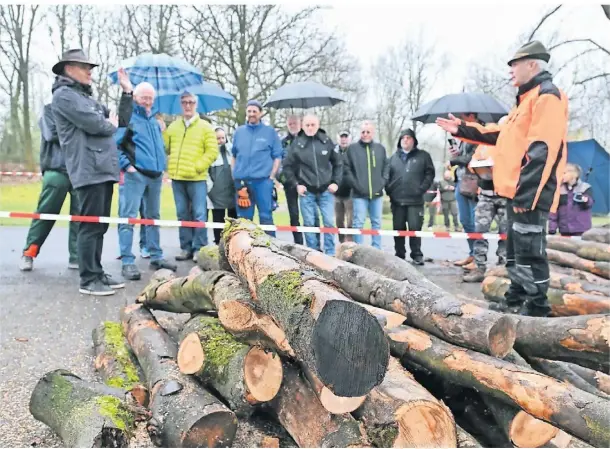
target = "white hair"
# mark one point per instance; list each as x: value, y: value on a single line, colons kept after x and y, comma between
x: 189, y: 95
x: 142, y: 87
x: 542, y: 65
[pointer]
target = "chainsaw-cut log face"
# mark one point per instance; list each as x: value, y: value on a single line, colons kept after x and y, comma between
x: 262, y: 374
x: 191, y: 357
x: 527, y: 431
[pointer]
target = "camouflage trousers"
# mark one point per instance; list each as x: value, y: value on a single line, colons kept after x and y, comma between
x: 488, y: 209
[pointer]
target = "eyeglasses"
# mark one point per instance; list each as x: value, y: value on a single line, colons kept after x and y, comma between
x: 188, y: 102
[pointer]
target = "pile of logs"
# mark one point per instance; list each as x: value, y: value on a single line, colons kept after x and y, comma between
x: 359, y: 350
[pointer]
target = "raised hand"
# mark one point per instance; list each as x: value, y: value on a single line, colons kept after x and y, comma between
x: 449, y: 124
x: 124, y: 81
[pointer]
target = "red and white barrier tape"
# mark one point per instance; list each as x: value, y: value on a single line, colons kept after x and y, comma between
x: 30, y: 174
x: 213, y: 225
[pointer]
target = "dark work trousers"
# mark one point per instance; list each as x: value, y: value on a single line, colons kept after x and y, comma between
x: 526, y: 260
x: 218, y: 216
x: 292, y: 200
x: 414, y: 217
x: 94, y: 200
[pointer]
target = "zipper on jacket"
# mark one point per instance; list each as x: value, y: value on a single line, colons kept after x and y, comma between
x: 368, y: 166
x: 180, y: 150
x: 315, y: 163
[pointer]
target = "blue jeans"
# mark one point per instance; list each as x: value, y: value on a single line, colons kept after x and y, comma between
x: 190, y: 198
x: 261, y: 196
x: 142, y: 215
x: 466, y: 208
x: 374, y: 209
x: 309, y: 205
x: 138, y: 189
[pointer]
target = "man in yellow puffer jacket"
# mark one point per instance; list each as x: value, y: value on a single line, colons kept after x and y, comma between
x: 191, y: 147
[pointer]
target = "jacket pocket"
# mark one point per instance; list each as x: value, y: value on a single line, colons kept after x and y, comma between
x: 105, y: 161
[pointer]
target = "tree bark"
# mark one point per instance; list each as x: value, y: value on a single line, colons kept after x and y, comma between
x: 223, y: 292
x: 207, y: 258
x: 82, y: 413
x: 587, y: 250
x: 386, y: 318
x: 402, y: 413
x: 575, y: 411
x: 583, y: 340
x: 465, y: 440
x: 599, y: 380
x: 300, y: 412
x: 113, y: 361
x: 562, y: 303
x: 244, y: 376
x: 428, y: 308
x: 569, y: 279
x: 184, y: 414
x: 334, y: 337
x: 584, y: 275
x: 573, y: 261
x: 600, y: 235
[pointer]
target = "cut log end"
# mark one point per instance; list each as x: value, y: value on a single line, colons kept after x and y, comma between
x: 348, y: 339
x: 262, y: 374
x: 338, y: 404
x: 190, y: 354
x: 502, y: 337
x: 234, y: 315
x: 424, y: 424
x: 214, y: 430
x: 110, y: 437
x: 527, y: 431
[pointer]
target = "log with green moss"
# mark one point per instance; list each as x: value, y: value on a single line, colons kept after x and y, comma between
x: 244, y: 376
x: 82, y: 413
x: 573, y: 261
x: 339, y: 341
x: 598, y: 234
x: 113, y: 361
x: 425, y: 305
x: 562, y: 303
x: 558, y: 403
x: 402, y: 413
x: 208, y: 258
x: 310, y: 425
x: 184, y: 414
x: 582, y: 248
x: 223, y: 292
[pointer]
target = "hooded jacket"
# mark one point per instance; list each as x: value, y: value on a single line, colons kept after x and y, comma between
x: 85, y: 135
x: 366, y: 169
x: 313, y: 162
x: 255, y: 147
x: 51, y: 155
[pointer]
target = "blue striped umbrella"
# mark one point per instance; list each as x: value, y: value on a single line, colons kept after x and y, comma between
x: 164, y: 72
x: 210, y: 98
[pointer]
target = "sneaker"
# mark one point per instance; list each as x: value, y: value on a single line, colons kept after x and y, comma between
x: 418, y: 261
x: 196, y: 257
x: 162, y: 263
x: 184, y: 255
x: 144, y: 254
x: 107, y: 280
x: 73, y: 266
x: 470, y: 267
x: 430, y: 228
x: 26, y: 264
x: 131, y: 272
x: 475, y: 276
x: 96, y: 288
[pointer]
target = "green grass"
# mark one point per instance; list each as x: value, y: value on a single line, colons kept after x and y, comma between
x: 24, y: 197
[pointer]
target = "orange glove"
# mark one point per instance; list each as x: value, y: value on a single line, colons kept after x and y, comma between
x: 243, y: 199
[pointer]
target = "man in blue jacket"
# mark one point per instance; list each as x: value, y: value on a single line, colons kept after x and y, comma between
x: 257, y: 153
x: 142, y: 158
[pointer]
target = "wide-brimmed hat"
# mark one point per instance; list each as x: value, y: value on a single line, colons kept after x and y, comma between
x: 531, y: 50
x: 74, y: 55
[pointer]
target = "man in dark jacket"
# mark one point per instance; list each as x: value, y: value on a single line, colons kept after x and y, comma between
x: 292, y: 197
x: 344, y: 209
x: 315, y: 170
x: 85, y: 129
x: 55, y: 187
x: 411, y: 175
x: 366, y: 168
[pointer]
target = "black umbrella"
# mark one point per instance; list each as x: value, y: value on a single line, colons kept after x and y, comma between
x: 487, y: 108
x: 304, y: 95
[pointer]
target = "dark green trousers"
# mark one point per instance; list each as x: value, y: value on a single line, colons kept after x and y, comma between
x: 55, y: 187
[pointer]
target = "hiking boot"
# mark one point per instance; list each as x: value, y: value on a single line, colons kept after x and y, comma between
x: 26, y: 263
x: 162, y: 263
x: 501, y: 260
x: 474, y: 276
x: 96, y: 288
x: 73, y: 265
x: 505, y: 307
x: 461, y: 263
x: 144, y: 253
x: 131, y: 272
x: 418, y: 261
x: 184, y: 255
x: 107, y: 280
x: 530, y: 309
x: 470, y: 267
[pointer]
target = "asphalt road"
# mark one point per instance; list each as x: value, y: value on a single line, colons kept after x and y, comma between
x: 46, y: 324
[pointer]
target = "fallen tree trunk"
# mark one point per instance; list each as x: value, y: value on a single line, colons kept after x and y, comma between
x: 600, y: 235
x: 113, y: 362
x: 387, y: 318
x: 208, y: 258
x: 431, y: 309
x: 402, y: 413
x: 562, y: 303
x: 599, y: 380
x: 83, y: 414
x: 223, y: 292
x: 562, y: 372
x: 244, y: 376
x: 184, y: 414
x: 583, y: 340
x: 584, y: 275
x: 582, y: 248
x: 569, y: 279
x: 575, y: 411
x: 465, y: 440
x: 300, y: 412
x: 571, y: 260
x: 334, y: 404
x: 339, y: 341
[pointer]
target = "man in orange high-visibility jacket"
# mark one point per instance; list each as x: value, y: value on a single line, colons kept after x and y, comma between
x: 530, y: 157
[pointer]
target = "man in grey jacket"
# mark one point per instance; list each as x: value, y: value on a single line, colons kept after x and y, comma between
x: 86, y: 134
